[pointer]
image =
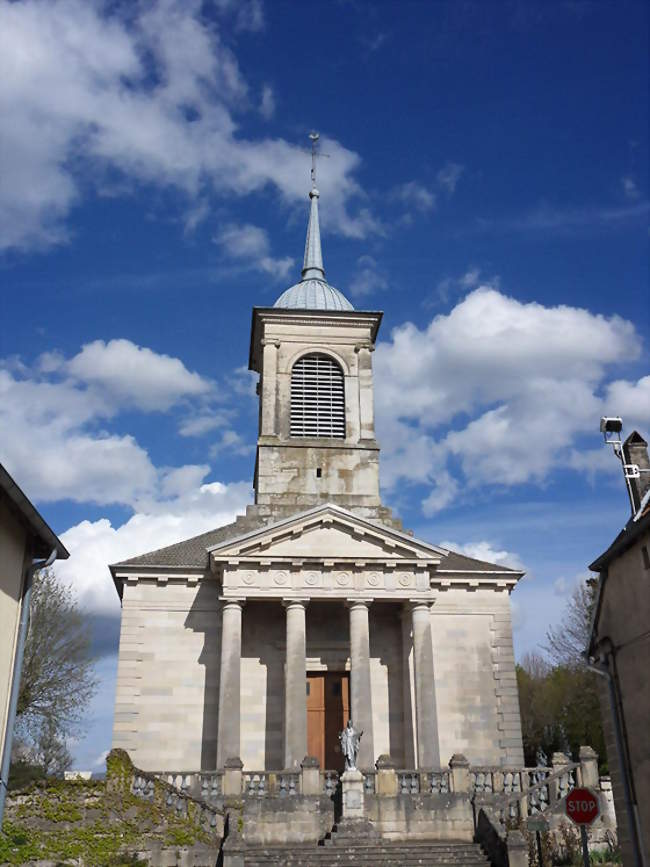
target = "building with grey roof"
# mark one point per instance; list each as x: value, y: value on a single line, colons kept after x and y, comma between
x: 258, y: 640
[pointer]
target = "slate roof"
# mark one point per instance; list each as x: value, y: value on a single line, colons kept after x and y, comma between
x: 192, y: 553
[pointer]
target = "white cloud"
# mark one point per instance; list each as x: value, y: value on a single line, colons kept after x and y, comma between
x: 368, y: 279
x: 51, y: 421
x: 146, y: 93
x: 486, y: 551
x: 631, y: 401
x: 100, y: 761
x: 449, y: 175
x: 451, y: 285
x: 135, y: 375
x: 501, y: 388
x: 550, y: 219
x: 248, y: 14
x: 414, y: 195
x: 93, y: 545
x: 250, y: 245
x: 630, y: 187
x: 267, y: 102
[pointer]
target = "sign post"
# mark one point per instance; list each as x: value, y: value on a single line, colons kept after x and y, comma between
x: 538, y: 823
x: 582, y: 807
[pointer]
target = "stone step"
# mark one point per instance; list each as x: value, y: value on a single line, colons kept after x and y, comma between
x: 412, y: 854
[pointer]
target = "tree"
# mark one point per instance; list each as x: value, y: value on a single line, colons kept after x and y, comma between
x: 560, y: 708
x: 567, y: 642
x: 57, y: 680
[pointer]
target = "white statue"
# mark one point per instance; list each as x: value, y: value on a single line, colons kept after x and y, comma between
x: 350, y: 745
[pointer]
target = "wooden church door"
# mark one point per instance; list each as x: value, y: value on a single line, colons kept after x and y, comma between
x: 328, y: 710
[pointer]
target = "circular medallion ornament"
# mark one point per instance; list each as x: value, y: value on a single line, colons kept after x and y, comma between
x: 281, y: 578
x: 312, y: 578
x: 374, y: 579
x: 343, y: 578
x: 248, y: 577
x: 404, y: 579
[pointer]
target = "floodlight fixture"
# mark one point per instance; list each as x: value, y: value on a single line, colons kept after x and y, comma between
x: 611, y: 424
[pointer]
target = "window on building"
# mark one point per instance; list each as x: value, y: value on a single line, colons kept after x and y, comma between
x: 317, y: 397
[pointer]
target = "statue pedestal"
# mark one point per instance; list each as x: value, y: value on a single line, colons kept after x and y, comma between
x: 352, y: 788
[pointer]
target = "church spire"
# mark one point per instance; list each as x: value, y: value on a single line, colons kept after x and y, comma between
x: 312, y: 268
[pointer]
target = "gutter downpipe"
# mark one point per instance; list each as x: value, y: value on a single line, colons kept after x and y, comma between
x: 602, y: 669
x: 23, y: 627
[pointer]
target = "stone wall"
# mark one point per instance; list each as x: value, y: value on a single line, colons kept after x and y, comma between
x: 168, y: 675
x: 475, y: 681
x: 274, y: 820
x: 427, y: 817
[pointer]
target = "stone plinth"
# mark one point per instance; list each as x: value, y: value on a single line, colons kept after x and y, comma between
x: 352, y: 787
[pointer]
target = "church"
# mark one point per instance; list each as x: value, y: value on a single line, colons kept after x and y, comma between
x: 260, y: 639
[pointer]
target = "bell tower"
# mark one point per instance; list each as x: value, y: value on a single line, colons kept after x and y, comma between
x: 313, y: 352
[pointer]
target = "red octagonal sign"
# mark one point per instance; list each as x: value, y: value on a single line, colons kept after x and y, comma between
x: 582, y: 806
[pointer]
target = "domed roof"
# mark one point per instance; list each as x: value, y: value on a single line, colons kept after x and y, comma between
x: 312, y: 294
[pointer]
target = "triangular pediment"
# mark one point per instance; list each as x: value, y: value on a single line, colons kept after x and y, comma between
x: 327, y: 532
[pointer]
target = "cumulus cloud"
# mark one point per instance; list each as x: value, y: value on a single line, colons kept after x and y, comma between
x: 53, y: 421
x: 368, y: 278
x: 496, y: 391
x: 140, y: 93
x: 250, y: 245
x: 135, y: 375
x: 95, y: 544
x: 486, y: 551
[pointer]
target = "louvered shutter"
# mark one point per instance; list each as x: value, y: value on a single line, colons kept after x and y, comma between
x: 317, y: 397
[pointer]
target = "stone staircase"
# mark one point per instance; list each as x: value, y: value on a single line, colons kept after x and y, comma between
x: 370, y: 854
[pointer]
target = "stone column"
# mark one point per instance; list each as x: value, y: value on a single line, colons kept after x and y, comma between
x: 425, y: 701
x: 228, y: 733
x: 295, y: 679
x: 361, y: 692
x: 366, y: 408
x: 269, y: 387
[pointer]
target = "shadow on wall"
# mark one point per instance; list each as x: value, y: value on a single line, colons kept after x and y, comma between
x: 205, y: 617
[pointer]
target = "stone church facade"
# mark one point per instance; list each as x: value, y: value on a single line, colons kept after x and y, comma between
x: 259, y: 639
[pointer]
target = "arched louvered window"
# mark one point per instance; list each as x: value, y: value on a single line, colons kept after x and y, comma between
x: 317, y: 397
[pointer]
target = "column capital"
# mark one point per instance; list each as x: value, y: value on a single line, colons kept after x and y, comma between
x: 358, y: 603
x: 419, y: 605
x: 267, y: 341
x: 227, y: 602
x: 292, y: 602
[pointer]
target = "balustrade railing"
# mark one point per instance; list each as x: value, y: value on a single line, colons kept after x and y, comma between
x: 329, y: 782
x: 511, y: 793
x: 516, y: 794
x: 423, y: 782
x: 206, y: 785
x: 262, y: 783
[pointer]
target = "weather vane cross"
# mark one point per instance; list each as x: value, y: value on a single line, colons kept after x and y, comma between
x: 315, y: 153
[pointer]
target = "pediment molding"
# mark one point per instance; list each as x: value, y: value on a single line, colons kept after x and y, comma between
x: 328, y: 536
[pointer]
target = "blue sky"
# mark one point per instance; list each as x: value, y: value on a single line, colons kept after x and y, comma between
x: 486, y: 186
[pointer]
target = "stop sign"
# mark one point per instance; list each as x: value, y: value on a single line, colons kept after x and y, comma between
x: 582, y: 806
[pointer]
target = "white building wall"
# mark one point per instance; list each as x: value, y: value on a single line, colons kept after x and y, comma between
x: 12, y: 564
x: 168, y: 675
x: 475, y: 680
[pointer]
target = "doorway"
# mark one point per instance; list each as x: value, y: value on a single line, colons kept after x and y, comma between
x: 328, y: 710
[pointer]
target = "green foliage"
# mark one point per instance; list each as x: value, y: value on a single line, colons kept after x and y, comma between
x: 95, y: 821
x: 558, y: 695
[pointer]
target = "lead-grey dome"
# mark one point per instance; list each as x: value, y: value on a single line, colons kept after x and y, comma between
x: 313, y: 294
